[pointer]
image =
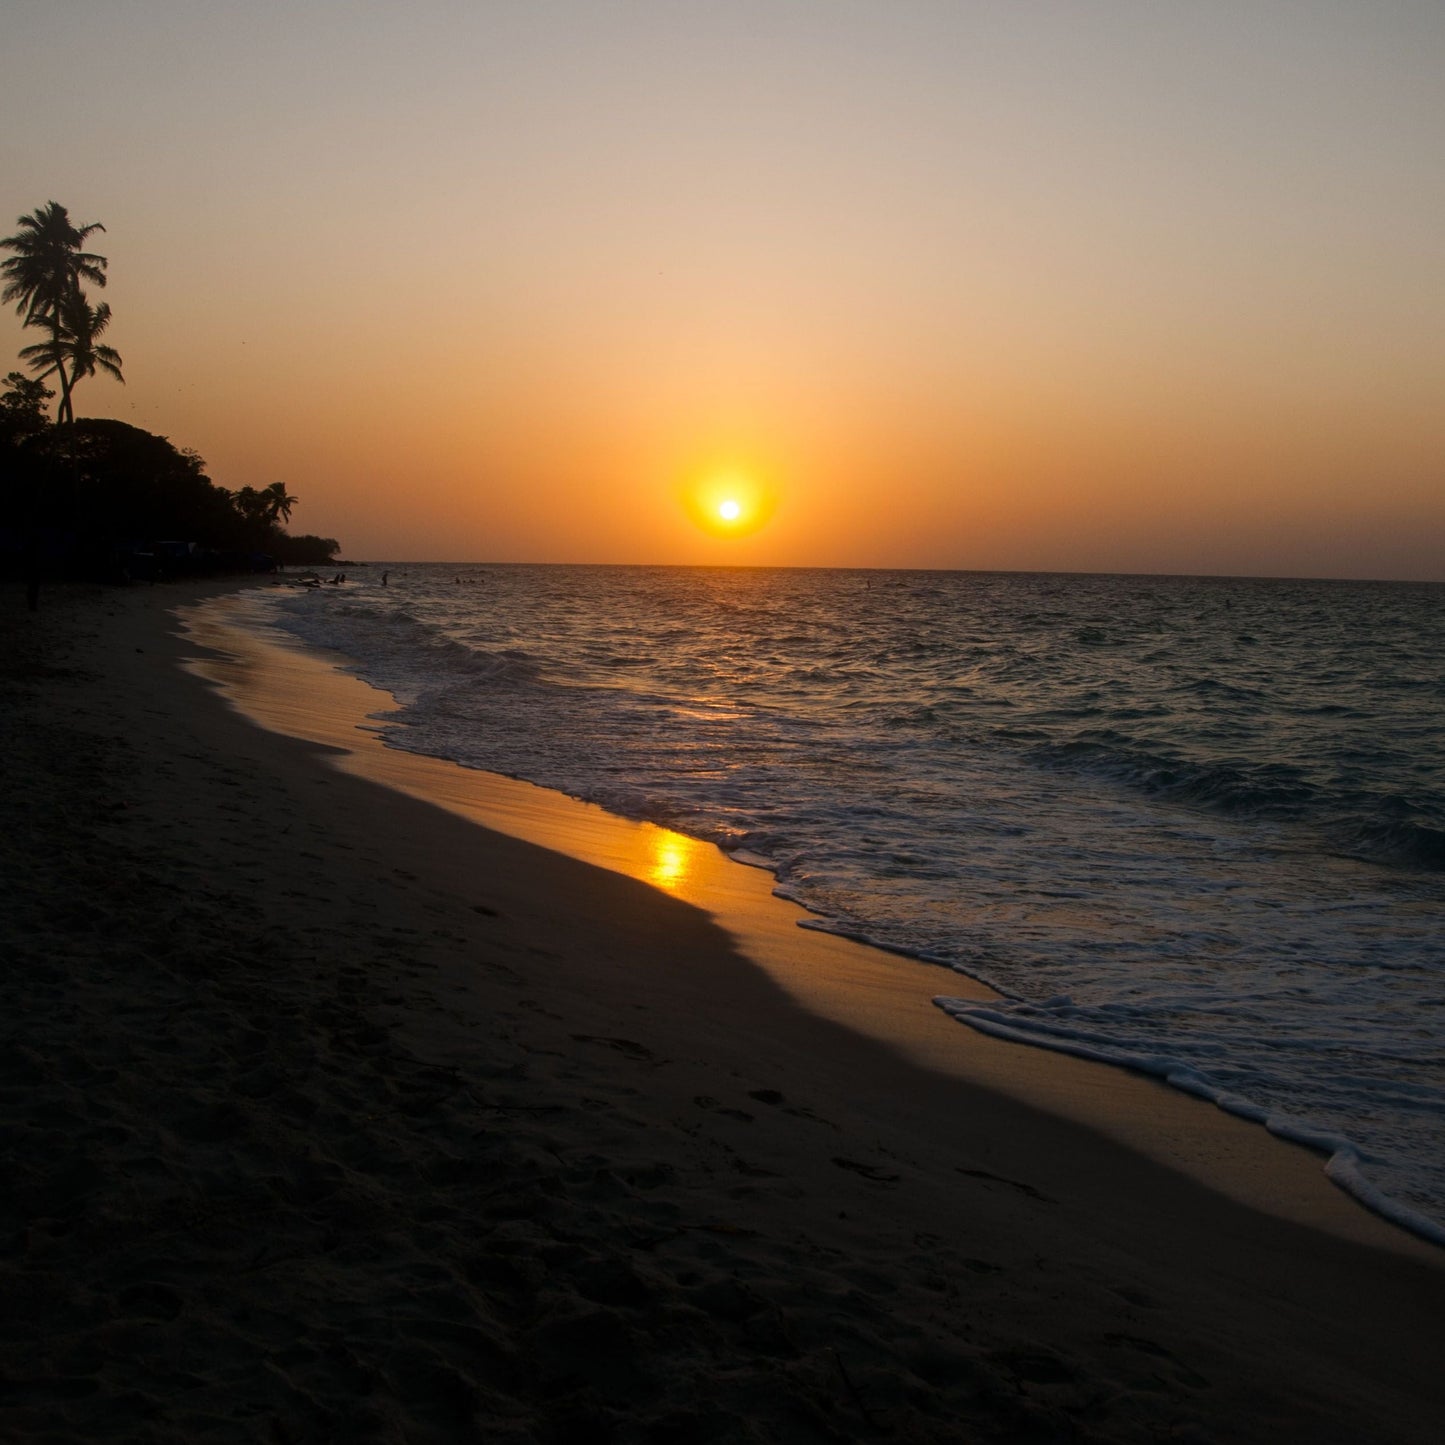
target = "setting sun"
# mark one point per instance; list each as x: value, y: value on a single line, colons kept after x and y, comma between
x: 728, y: 501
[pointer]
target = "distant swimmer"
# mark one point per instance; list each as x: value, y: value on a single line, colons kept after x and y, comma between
x: 384, y: 576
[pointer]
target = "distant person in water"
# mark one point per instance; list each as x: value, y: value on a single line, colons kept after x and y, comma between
x: 384, y: 576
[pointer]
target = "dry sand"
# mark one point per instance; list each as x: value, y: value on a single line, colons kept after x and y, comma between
x: 330, y: 1115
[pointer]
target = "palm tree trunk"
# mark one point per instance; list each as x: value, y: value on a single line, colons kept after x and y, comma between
x: 64, y: 412
x: 66, y: 417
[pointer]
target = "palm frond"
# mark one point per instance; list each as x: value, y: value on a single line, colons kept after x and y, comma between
x: 47, y: 264
x: 108, y: 359
x: 43, y: 358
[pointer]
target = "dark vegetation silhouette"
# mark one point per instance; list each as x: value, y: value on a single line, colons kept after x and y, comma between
x: 43, y: 276
x: 84, y: 497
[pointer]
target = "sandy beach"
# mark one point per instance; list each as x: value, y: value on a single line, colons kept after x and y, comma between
x: 332, y: 1115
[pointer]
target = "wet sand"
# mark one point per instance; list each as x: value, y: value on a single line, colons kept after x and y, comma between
x: 330, y: 1114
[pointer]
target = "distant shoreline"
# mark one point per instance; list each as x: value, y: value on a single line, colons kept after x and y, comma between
x: 921, y: 571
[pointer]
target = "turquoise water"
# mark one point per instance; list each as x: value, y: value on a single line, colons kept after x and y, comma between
x: 1195, y: 826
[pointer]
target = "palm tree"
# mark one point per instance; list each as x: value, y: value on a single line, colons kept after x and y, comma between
x: 74, y: 342
x: 48, y: 263
x: 44, y: 273
x: 278, y: 502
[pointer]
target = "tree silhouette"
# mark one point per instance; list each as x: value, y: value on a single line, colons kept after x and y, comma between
x: 263, y: 511
x: 278, y: 503
x: 83, y: 495
x: 24, y: 470
x: 74, y: 341
x: 252, y: 507
x: 43, y: 277
x: 22, y: 404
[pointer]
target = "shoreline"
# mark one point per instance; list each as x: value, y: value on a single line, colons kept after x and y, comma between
x: 333, y: 1114
x: 881, y: 994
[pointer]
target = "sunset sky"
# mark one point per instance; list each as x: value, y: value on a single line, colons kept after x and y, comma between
x: 1086, y: 285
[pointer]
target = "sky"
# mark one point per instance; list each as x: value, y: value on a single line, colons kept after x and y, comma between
x: 1063, y: 285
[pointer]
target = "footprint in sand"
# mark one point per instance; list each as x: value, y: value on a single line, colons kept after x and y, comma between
x: 868, y: 1171
x: 716, y: 1106
x: 779, y: 1101
x: 1036, y: 1367
x: 628, y: 1048
x: 1012, y: 1183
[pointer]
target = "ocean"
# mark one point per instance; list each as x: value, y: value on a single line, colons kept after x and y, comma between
x: 1193, y: 826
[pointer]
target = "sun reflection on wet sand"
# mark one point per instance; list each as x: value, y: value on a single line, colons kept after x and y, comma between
x: 674, y: 859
